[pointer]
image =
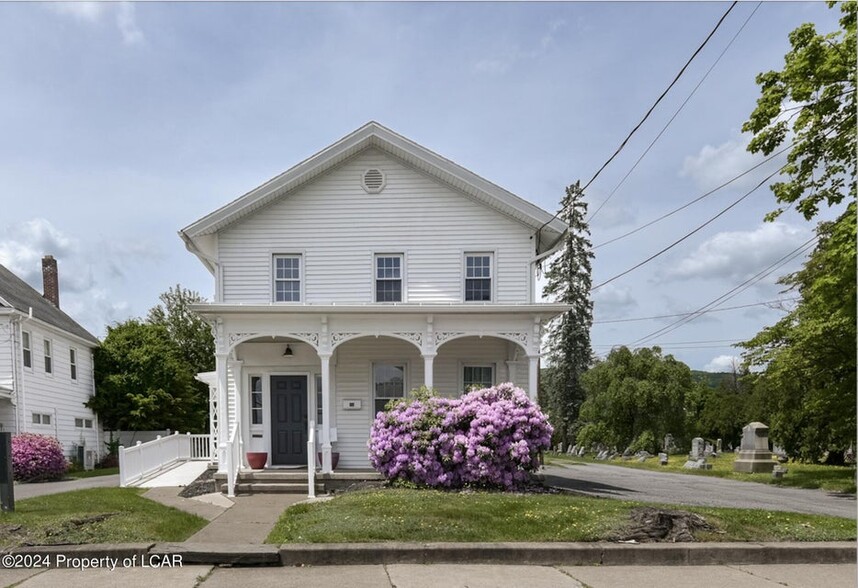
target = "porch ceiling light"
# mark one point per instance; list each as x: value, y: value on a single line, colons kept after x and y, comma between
x: 288, y: 352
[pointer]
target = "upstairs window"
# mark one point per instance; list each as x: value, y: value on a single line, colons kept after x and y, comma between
x: 287, y: 278
x: 49, y: 360
x: 28, y: 353
x: 73, y: 363
x: 388, y: 278
x: 478, y: 277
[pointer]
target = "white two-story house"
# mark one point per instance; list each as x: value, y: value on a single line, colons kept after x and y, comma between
x: 370, y: 269
x: 46, y: 367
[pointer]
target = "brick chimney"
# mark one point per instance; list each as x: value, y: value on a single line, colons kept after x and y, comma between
x: 51, y: 280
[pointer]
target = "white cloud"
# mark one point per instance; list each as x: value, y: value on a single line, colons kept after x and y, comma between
x: 723, y: 363
x: 126, y: 21
x: 715, y: 165
x: 613, y: 301
x: 740, y: 254
x: 94, y: 12
x: 500, y: 64
x: 87, y: 11
x: 91, y: 273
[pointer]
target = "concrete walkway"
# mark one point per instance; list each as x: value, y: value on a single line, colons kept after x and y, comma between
x: 31, y: 490
x: 248, y: 521
x: 611, y: 481
x: 448, y: 576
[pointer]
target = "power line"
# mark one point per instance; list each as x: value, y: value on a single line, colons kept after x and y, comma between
x: 675, y: 114
x: 698, y: 199
x: 663, y: 94
x: 648, y: 318
x: 689, y: 234
x: 731, y: 293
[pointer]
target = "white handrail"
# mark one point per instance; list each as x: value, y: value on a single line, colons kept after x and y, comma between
x: 145, y: 459
x: 233, y: 461
x: 311, y: 461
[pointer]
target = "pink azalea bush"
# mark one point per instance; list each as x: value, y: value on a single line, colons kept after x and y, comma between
x: 488, y: 438
x: 37, y: 458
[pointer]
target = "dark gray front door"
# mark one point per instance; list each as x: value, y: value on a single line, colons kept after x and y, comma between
x: 289, y: 420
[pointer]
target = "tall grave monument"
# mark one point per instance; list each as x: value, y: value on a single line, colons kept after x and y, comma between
x: 754, y: 455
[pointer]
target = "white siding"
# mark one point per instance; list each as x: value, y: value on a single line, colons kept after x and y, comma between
x: 354, y: 382
x: 337, y: 227
x: 455, y: 354
x: 56, y: 393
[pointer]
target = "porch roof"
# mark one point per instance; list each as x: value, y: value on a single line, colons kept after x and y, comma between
x: 545, y: 311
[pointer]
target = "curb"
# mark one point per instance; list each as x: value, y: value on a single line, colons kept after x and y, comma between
x: 569, y: 554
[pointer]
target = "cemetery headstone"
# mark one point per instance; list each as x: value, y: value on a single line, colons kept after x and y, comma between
x: 754, y: 455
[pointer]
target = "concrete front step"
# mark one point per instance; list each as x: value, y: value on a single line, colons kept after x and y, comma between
x: 272, y: 488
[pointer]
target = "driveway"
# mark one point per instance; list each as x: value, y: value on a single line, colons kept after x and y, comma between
x: 31, y: 490
x: 648, y: 486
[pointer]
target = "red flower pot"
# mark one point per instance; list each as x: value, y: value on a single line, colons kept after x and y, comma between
x: 257, y: 459
x: 335, y: 459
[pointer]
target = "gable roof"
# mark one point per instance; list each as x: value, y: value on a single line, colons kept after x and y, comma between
x: 16, y: 294
x: 375, y: 135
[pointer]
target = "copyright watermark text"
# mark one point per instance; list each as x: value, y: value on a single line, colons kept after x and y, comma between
x: 75, y: 562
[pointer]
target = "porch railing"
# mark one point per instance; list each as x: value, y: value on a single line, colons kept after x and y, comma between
x: 143, y: 460
x: 311, y: 461
x: 233, y: 461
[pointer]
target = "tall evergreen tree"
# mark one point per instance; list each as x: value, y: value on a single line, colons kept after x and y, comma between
x: 568, y: 282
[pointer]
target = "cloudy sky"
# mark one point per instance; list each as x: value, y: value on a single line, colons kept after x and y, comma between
x: 122, y: 123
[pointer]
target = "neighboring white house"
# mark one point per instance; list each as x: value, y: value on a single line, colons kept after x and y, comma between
x: 371, y: 268
x: 46, y: 366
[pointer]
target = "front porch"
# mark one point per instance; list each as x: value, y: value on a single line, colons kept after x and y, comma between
x: 302, y: 386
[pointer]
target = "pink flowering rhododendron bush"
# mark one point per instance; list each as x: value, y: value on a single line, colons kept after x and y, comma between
x: 488, y: 438
x: 37, y: 458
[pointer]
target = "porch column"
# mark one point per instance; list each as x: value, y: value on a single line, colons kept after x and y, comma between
x: 533, y: 377
x: 326, y: 413
x: 222, y: 405
x: 240, y: 404
x: 428, y: 370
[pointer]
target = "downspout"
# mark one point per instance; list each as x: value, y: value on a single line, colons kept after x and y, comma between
x: 95, y: 414
x: 15, y: 323
x: 531, y: 264
x: 22, y: 401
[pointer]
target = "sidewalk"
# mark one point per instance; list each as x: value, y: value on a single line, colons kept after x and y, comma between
x: 31, y: 490
x: 447, y: 576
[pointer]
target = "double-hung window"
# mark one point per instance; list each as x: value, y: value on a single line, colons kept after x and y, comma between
x: 83, y: 423
x: 28, y: 352
x: 388, y: 383
x: 388, y: 278
x: 40, y: 418
x: 73, y: 363
x: 287, y: 278
x: 49, y: 360
x: 478, y: 277
x: 478, y: 377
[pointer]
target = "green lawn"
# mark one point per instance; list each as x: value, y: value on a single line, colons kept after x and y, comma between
x: 96, y: 515
x: 93, y: 473
x: 429, y: 515
x: 800, y: 475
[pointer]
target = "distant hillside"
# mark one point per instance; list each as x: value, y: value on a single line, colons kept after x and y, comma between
x: 711, y: 379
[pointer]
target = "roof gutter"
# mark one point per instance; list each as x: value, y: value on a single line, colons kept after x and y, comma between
x: 208, y: 261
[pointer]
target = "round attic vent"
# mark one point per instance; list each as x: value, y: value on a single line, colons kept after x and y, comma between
x: 373, y: 180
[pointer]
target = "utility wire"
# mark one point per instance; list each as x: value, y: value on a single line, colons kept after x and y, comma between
x: 675, y: 114
x: 696, y: 200
x: 682, y: 314
x: 699, y: 227
x: 731, y: 293
x: 689, y: 234
x: 663, y: 94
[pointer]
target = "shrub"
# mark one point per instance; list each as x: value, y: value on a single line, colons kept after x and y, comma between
x: 488, y: 438
x: 37, y: 458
